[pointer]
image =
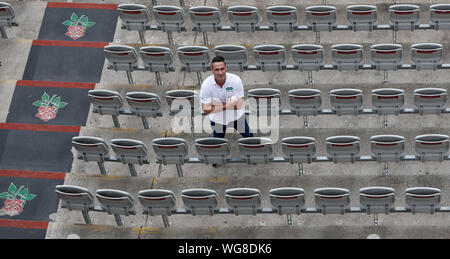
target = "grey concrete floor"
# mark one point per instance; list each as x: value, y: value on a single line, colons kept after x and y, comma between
x: 14, y: 54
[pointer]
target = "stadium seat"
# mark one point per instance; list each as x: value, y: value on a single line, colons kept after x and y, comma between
x: 205, y: 19
x: 422, y: 199
x: 130, y: 152
x: 305, y: 101
x: 346, y: 101
x: 299, y: 150
x: 256, y: 150
x: 403, y: 17
x: 170, y: 19
x: 282, y: 17
x: 158, y: 60
x: 116, y: 202
x: 321, y: 18
x: 179, y: 100
x: 213, y: 150
x: 377, y: 200
x: 342, y: 149
x: 236, y: 57
x: 122, y: 58
x: 432, y: 147
x: 158, y: 202
x: 91, y: 149
x: 243, y: 201
x: 440, y: 16
x: 200, y: 201
x: 107, y: 102
x: 308, y: 57
x: 270, y: 57
x: 332, y: 200
x: 386, y: 57
x: 76, y: 198
x: 361, y: 17
x: 144, y: 105
x: 171, y: 151
x: 264, y: 101
x: 243, y: 18
x: 7, y: 18
x: 430, y: 100
x: 195, y: 59
x: 287, y: 200
x: 427, y: 55
x: 388, y: 101
x: 387, y: 148
x: 347, y: 56
x: 135, y: 17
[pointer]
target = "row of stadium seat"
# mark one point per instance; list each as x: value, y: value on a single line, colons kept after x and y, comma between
x: 257, y: 150
x: 248, y: 201
x: 280, y: 17
x: 268, y: 101
x: 306, y: 57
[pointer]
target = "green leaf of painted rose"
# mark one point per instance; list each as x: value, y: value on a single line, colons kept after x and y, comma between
x: 4, y: 195
x: 85, y: 20
x: 62, y: 104
x: 56, y: 101
x: 90, y: 24
x: 37, y: 103
x: 74, y: 17
x: 12, y: 188
x: 45, y: 97
x: 24, y: 192
x: 30, y: 197
x: 67, y: 22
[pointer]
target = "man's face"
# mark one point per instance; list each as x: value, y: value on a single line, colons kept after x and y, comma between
x: 219, y: 70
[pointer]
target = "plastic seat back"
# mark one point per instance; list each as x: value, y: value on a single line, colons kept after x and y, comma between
x: 243, y: 201
x: 388, y: 100
x: 387, y: 148
x: 106, y: 102
x: 169, y: 18
x: 432, y: 147
x: 180, y: 100
x: 270, y: 57
x: 130, y: 151
x: 422, y: 199
x: 194, y: 58
x: 200, y: 201
x: 430, y: 100
x: 121, y: 57
x: 264, y: 101
x: 90, y: 148
x: 346, y: 101
x: 343, y: 148
x: 377, y: 200
x: 308, y: 57
x: 299, y: 149
x: 362, y: 17
x: 321, y: 18
x: 332, y: 200
x: 170, y: 150
x: 305, y: 101
x: 404, y: 16
x: 213, y: 150
x: 236, y: 57
x: 243, y: 18
x: 440, y: 16
x: 287, y: 200
x: 386, y: 56
x: 157, y: 201
x: 74, y: 197
x: 144, y: 104
x: 427, y: 55
x: 157, y: 59
x: 134, y: 16
x: 116, y: 201
x: 256, y: 149
x: 205, y: 18
x: 282, y: 17
x: 347, y: 56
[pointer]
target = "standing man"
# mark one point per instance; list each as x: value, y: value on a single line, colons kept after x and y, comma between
x: 222, y: 96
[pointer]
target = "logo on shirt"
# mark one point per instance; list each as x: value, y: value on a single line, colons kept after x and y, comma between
x: 229, y: 89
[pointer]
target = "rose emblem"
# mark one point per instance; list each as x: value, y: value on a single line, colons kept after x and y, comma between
x: 75, y: 32
x: 76, y: 26
x: 46, y: 113
x: 13, y: 207
x: 15, y: 199
x: 48, y: 107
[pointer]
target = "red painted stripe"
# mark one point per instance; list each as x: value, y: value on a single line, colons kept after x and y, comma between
x: 242, y: 14
x: 154, y: 199
x: 403, y: 12
x: 82, y: 5
x: 283, y: 13
x: 9, y: 223
x: 287, y: 198
x: 346, y: 97
x: 131, y: 12
x: 256, y: 146
x: 425, y: 51
x: 386, y: 144
x: 307, y: 52
x: 198, y: 199
x: 305, y: 98
x: 203, y: 14
x: 2, y: 9
x: 167, y: 147
x: 32, y: 174
x: 361, y: 12
x: 424, y: 196
x: 55, y: 84
x: 430, y: 96
x: 76, y: 44
x: 155, y: 54
x: 298, y: 146
x: 210, y: 146
x: 38, y: 127
x: 167, y: 13
x: 442, y: 12
x: 386, y: 51
x: 430, y: 143
x: 387, y: 97
x: 341, y: 145
x: 347, y: 52
x: 242, y: 198
x: 321, y: 14
x: 269, y: 52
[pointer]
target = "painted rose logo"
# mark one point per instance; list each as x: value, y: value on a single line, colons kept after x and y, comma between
x: 15, y: 200
x: 77, y: 26
x: 48, y: 107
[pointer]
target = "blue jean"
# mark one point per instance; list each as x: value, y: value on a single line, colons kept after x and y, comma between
x: 240, y: 125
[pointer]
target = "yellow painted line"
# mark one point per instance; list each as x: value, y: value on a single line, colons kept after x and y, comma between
x: 149, y: 230
x: 212, y: 229
x: 223, y: 179
x: 163, y: 133
x: 129, y: 130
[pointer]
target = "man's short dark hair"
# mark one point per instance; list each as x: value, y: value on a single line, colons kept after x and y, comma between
x: 218, y: 59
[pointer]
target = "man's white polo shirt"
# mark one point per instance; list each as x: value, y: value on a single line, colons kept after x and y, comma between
x: 210, y: 90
